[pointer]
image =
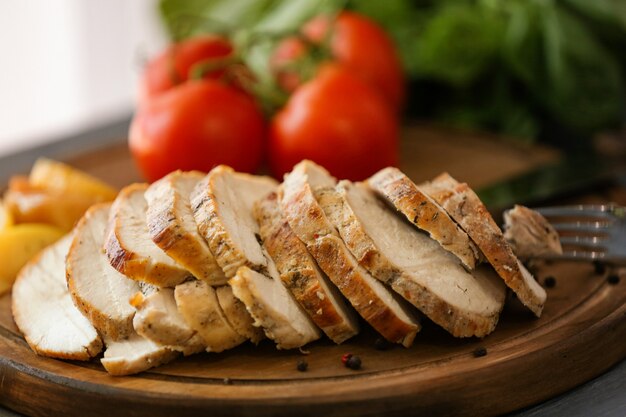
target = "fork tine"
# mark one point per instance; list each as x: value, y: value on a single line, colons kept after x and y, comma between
x: 589, y: 232
x: 582, y: 255
x: 586, y: 242
x: 583, y: 211
x: 587, y: 227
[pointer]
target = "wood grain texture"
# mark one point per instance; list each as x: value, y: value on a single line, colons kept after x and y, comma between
x: 426, y: 151
x: 476, y: 158
x: 579, y: 336
x: 528, y: 360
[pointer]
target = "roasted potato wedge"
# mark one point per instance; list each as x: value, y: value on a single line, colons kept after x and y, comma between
x: 6, y: 218
x: 31, y: 204
x: 62, y: 178
x: 18, y: 244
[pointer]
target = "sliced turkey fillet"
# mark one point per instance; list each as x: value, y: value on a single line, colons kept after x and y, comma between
x: 223, y: 208
x: 424, y: 212
x: 416, y: 267
x: 129, y: 246
x: 273, y: 308
x: 301, y: 275
x: 44, y: 312
x: 237, y: 315
x: 222, y: 205
x: 134, y: 354
x: 159, y: 320
x: 173, y: 229
x: 199, y: 306
x: 530, y: 234
x: 296, y: 198
x: 100, y: 292
x: 462, y: 203
x: 379, y: 306
x: 194, y: 345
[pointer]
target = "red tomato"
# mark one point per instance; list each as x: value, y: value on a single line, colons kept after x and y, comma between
x: 338, y: 121
x: 197, y: 125
x: 173, y: 65
x: 355, y: 42
x: 362, y: 45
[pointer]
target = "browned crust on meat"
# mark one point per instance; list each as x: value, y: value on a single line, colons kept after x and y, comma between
x: 424, y: 213
x: 355, y: 237
x: 206, y: 210
x: 331, y: 255
x: 298, y: 270
x: 208, y: 319
x: 276, y: 326
x: 237, y: 316
x: 153, y: 328
x: 90, y: 351
x: 169, y: 233
x: 455, y: 320
x: 194, y: 345
x: 129, y: 263
x: 308, y: 221
x: 123, y: 367
x: 300, y: 208
x: 466, y: 208
x: 106, y: 325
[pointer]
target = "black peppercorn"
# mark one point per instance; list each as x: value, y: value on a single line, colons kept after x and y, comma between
x: 599, y: 267
x: 549, y: 282
x: 302, y: 365
x: 381, y: 344
x: 353, y: 362
x: 479, y: 352
x: 613, y: 279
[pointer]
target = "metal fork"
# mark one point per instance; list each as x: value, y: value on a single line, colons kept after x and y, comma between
x: 590, y: 232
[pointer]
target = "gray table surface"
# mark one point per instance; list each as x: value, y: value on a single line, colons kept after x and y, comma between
x: 604, y: 396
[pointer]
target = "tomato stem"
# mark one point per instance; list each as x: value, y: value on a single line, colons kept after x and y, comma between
x: 201, y: 68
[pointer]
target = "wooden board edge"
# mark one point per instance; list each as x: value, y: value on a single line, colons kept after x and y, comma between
x: 559, y: 363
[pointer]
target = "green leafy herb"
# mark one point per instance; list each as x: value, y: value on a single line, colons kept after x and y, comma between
x: 184, y: 18
x: 510, y: 66
x: 457, y: 44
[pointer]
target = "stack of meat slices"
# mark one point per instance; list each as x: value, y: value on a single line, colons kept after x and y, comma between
x: 200, y: 262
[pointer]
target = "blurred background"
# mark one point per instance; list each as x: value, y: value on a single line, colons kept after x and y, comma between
x: 70, y: 65
x: 525, y: 100
x: 531, y: 71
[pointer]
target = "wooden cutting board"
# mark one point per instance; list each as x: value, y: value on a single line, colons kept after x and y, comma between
x: 580, y: 334
x: 528, y: 360
x: 426, y: 151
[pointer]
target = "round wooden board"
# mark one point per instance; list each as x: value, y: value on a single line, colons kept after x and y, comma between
x: 580, y: 335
